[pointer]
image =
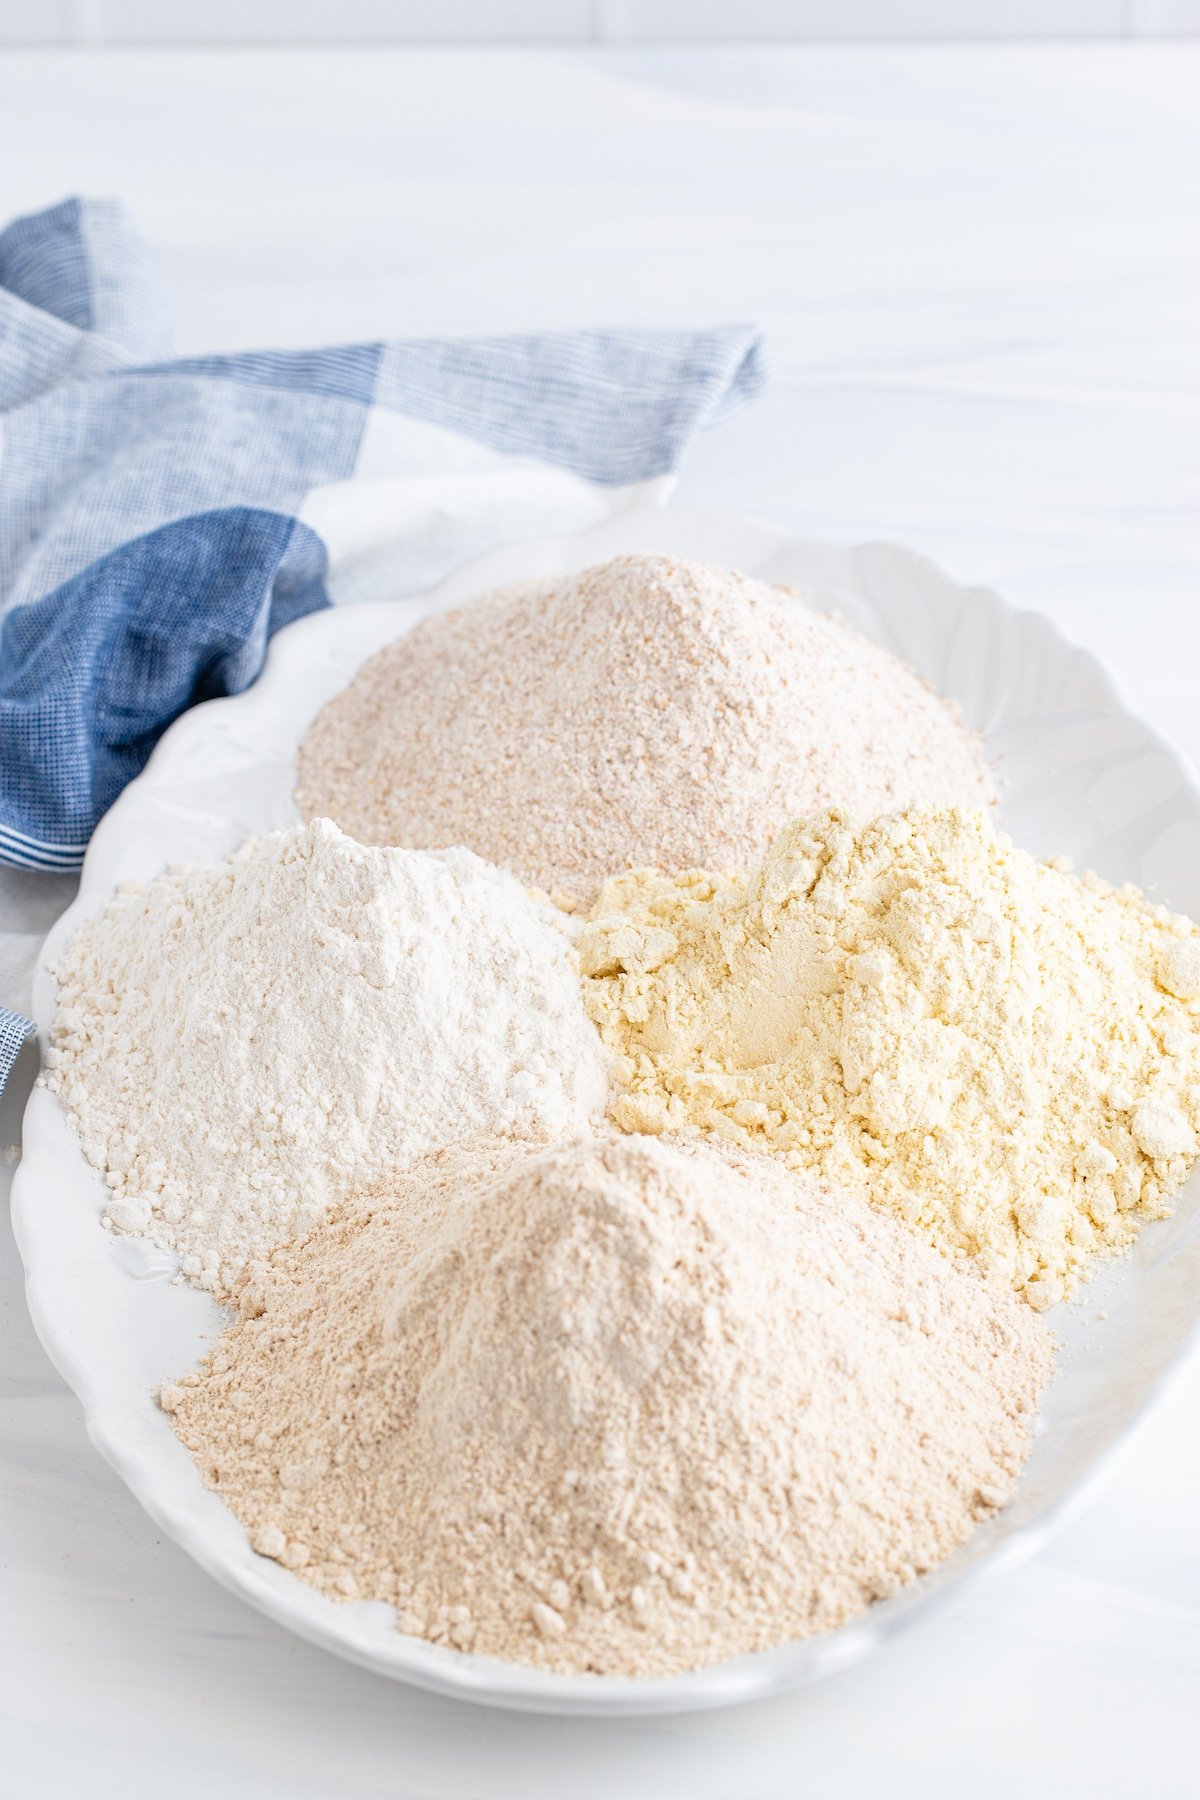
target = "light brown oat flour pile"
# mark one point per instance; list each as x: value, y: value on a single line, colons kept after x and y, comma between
x: 625, y: 1404
x: 643, y: 713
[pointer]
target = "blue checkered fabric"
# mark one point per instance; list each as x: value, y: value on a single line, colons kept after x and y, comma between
x: 150, y: 543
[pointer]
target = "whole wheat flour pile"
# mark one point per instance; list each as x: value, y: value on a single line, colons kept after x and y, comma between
x: 621, y: 1405
x: 1005, y: 1055
x: 645, y: 712
x: 240, y: 1045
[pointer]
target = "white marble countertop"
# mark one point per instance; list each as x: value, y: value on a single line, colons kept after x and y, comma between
x: 980, y: 272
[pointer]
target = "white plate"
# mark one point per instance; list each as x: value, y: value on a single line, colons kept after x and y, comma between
x: 1082, y: 777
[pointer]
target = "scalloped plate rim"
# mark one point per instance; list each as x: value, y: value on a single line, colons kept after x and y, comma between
x: 480, y: 1679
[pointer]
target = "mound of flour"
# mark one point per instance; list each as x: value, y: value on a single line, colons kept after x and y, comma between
x: 645, y: 713
x: 621, y: 1405
x: 1002, y: 1052
x: 239, y: 1046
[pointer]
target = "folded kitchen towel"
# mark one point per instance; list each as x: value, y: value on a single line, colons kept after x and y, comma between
x: 161, y: 518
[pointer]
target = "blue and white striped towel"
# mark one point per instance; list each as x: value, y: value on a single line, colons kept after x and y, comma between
x: 160, y: 519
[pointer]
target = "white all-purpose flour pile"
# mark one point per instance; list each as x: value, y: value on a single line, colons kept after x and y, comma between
x: 242, y: 1045
x: 558, y: 1390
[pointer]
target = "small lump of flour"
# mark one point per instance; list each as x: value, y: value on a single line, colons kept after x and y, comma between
x: 622, y: 1405
x: 643, y: 712
x: 1004, y: 1054
x: 241, y: 1045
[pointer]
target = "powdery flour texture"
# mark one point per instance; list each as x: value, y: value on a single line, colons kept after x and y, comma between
x: 643, y: 713
x: 619, y: 1405
x: 1006, y: 1055
x: 241, y: 1045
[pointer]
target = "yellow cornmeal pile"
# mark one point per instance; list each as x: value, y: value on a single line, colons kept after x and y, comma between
x: 1003, y: 1053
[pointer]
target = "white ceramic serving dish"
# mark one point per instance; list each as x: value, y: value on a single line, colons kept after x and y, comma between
x: 1082, y: 777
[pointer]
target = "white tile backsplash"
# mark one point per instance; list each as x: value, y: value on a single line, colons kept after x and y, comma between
x: 1164, y: 18
x: 232, y: 22
x: 643, y: 21
x: 34, y: 22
